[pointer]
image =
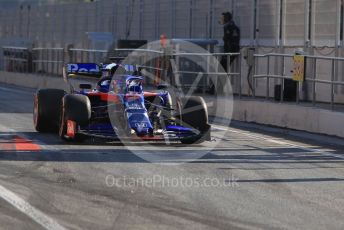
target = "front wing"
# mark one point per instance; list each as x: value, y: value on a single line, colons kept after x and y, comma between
x: 171, y: 133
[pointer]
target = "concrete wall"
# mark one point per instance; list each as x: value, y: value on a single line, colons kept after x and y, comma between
x: 38, y: 81
x: 290, y: 116
x: 268, y: 113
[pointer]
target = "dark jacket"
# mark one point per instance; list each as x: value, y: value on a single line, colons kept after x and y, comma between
x: 231, y: 37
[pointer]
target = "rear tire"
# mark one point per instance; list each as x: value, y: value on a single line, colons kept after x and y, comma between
x: 194, y: 114
x: 76, y: 108
x: 46, y: 112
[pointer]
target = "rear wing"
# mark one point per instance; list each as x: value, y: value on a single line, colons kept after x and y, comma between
x: 80, y: 69
x: 83, y: 69
x: 95, y: 70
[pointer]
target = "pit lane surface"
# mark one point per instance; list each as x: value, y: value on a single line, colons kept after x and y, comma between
x: 251, y: 180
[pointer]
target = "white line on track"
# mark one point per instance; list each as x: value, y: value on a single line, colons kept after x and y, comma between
x: 256, y: 136
x: 23, y: 206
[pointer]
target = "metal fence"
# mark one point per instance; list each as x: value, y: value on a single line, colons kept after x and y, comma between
x: 48, y: 60
x: 157, y: 64
x: 150, y: 61
x: 310, y: 76
x: 211, y: 72
x: 17, y: 59
x: 87, y: 55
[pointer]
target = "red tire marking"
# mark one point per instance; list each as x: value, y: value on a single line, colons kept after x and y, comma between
x: 22, y: 144
x: 7, y: 146
x: 17, y: 143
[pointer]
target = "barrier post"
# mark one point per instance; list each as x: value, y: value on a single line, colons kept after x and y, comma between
x: 240, y: 78
x: 299, y: 71
x: 332, y: 85
x: 314, y: 80
x: 282, y: 81
x: 228, y: 76
x: 268, y: 80
x: 255, y: 69
x: 205, y: 78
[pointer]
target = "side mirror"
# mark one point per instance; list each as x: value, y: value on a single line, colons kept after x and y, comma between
x: 85, y: 86
x: 160, y: 87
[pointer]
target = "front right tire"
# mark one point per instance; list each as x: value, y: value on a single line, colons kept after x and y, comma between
x: 76, y: 108
x: 194, y: 114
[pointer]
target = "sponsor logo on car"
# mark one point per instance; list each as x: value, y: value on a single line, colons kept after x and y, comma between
x: 141, y: 125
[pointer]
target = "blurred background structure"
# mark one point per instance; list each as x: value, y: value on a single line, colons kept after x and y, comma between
x: 267, y: 26
x: 272, y: 23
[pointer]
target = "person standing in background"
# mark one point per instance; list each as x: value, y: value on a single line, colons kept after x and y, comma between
x: 231, y: 38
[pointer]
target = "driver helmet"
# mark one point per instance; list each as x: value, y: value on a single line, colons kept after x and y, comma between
x: 113, y: 69
x: 134, y: 85
x: 104, y: 85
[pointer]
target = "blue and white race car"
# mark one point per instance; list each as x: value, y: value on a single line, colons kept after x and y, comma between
x: 119, y: 108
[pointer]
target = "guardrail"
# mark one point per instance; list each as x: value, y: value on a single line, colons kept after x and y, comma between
x: 218, y: 70
x: 48, y: 60
x: 157, y: 64
x: 18, y: 59
x: 87, y: 55
x: 151, y: 61
x: 282, y: 76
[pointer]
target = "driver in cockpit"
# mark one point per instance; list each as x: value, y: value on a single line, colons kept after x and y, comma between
x: 109, y: 76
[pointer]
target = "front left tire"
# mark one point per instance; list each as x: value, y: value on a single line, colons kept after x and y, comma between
x: 46, y: 111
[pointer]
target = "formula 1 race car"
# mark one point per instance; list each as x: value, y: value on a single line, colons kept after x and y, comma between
x: 118, y: 108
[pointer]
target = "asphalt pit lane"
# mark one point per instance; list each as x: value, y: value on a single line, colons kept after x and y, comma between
x: 66, y: 180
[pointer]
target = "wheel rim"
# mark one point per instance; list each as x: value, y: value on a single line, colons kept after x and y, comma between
x: 62, y: 125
